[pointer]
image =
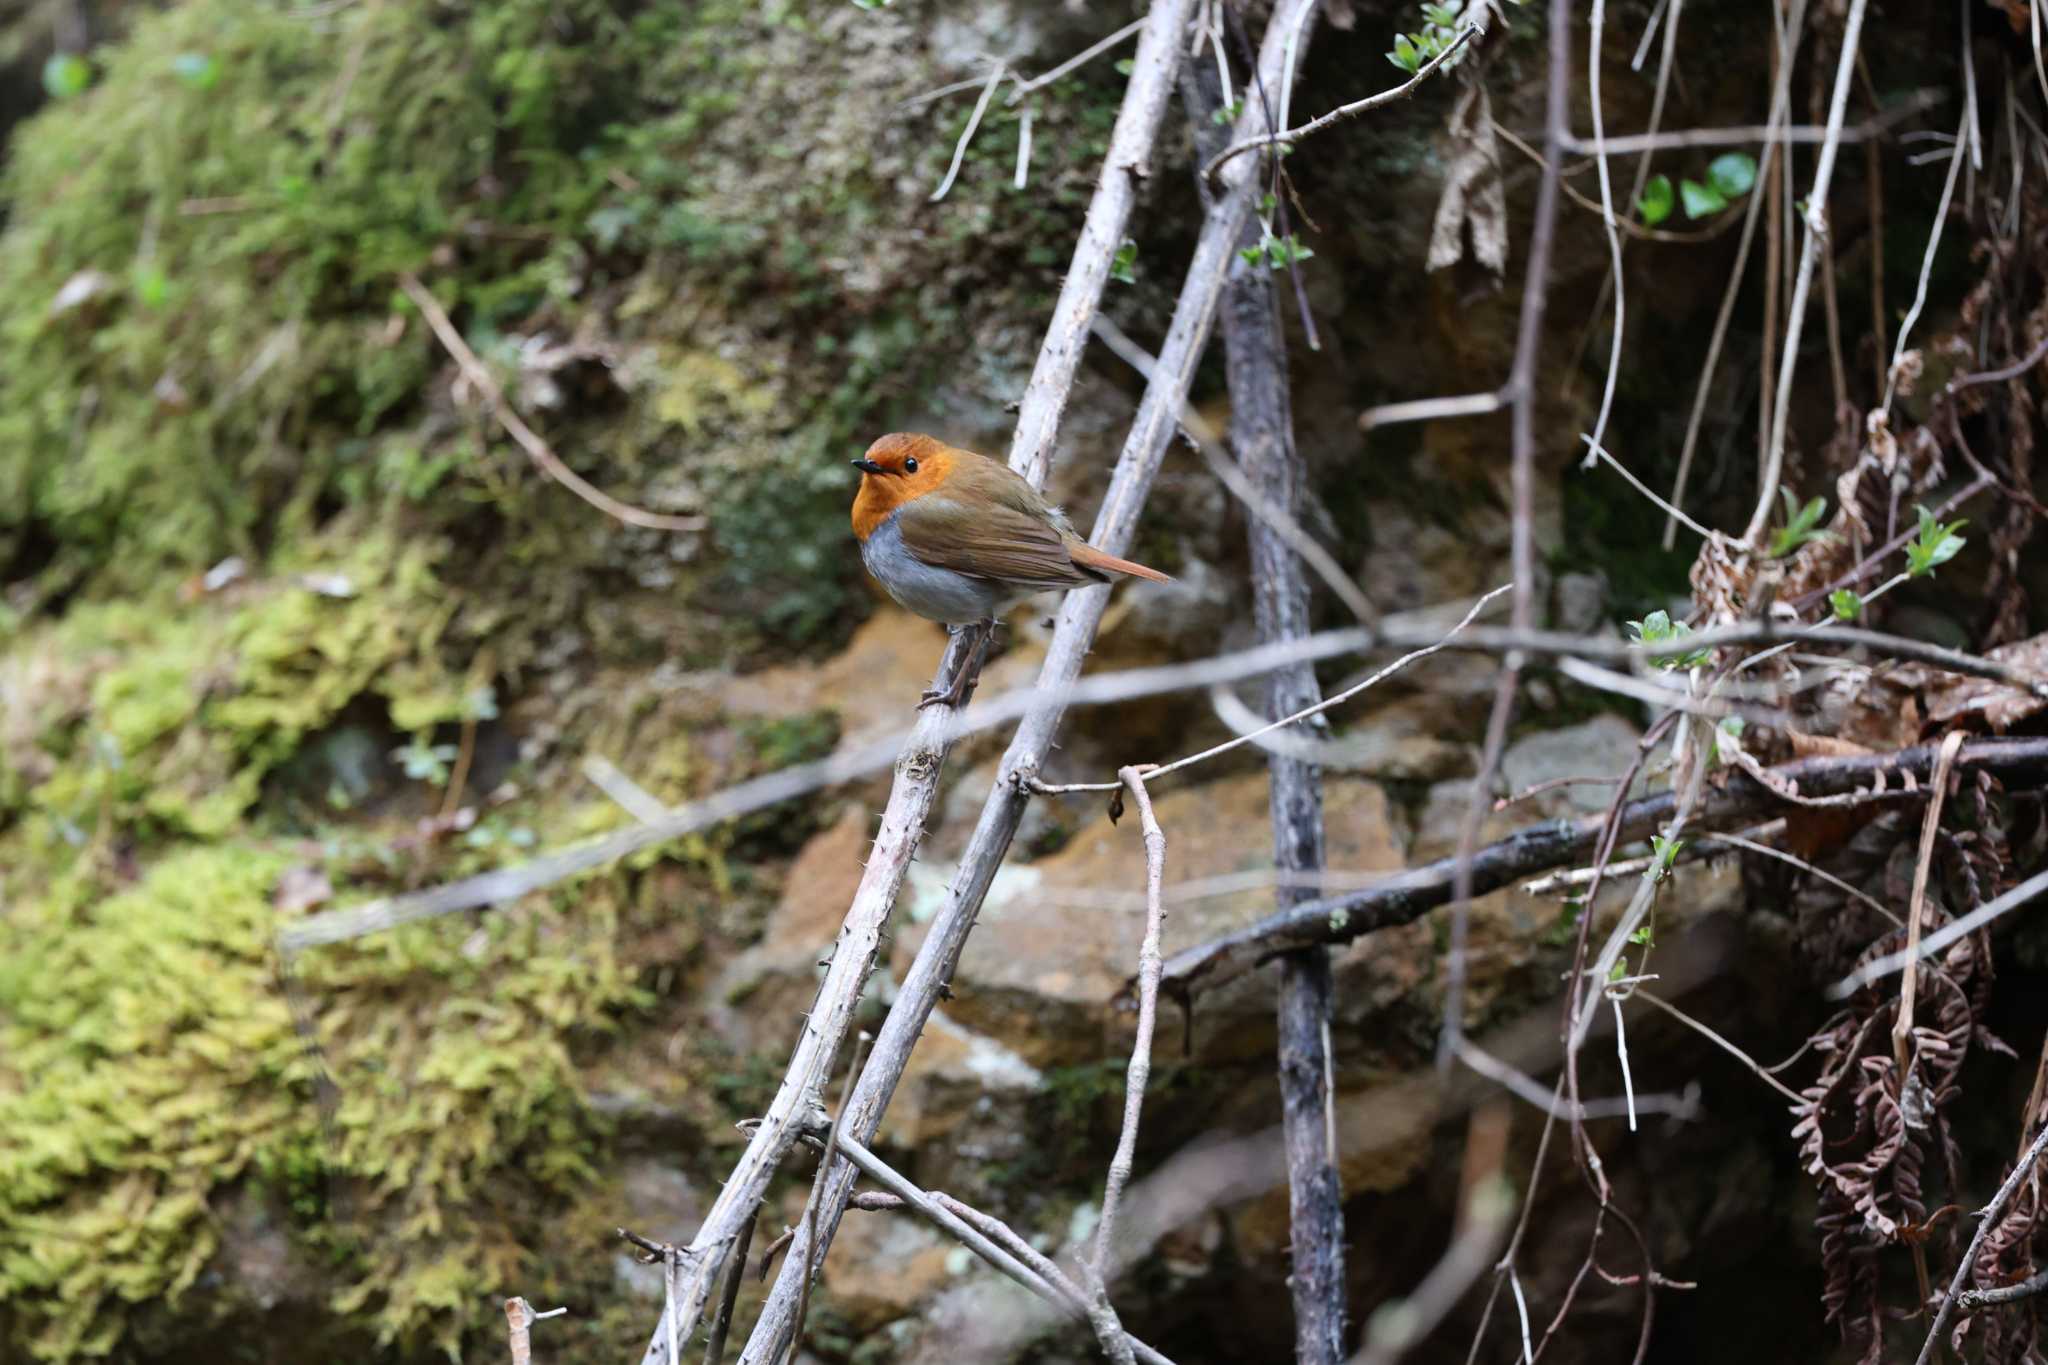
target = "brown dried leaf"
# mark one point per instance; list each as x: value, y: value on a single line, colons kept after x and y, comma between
x: 1473, y: 193
x: 1823, y: 746
x: 1952, y: 696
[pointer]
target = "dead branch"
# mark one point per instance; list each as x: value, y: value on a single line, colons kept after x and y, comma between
x: 1079, y: 613
x: 538, y: 450
x: 917, y: 769
x: 1139, y: 1072
x: 1262, y: 439
x: 1985, y: 1220
x: 1407, y: 896
x: 951, y: 1217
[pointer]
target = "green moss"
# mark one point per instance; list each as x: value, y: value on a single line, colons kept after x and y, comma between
x: 152, y: 1063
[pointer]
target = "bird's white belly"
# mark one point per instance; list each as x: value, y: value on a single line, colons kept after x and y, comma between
x: 933, y: 593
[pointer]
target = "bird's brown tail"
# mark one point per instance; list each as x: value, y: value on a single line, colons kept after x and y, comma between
x: 1088, y: 557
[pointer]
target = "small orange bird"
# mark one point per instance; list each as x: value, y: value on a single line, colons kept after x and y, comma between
x: 959, y: 538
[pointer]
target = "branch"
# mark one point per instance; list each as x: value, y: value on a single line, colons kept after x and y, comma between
x: 1762, y: 134
x: 915, y: 788
x: 1057, y: 689
x: 551, y: 464
x: 1080, y: 612
x: 1344, y: 111
x: 1048, y: 1282
x: 1269, y: 465
x: 1795, y: 321
x: 1407, y: 896
x: 1984, y: 1222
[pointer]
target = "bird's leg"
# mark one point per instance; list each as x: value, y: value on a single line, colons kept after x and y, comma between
x: 968, y: 672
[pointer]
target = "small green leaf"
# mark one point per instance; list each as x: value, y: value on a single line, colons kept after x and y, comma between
x: 1701, y: 201
x: 1227, y: 114
x: 1643, y: 937
x: 1123, y: 265
x: 65, y: 75
x: 1734, y: 175
x: 152, y: 286
x: 1618, y: 970
x: 1800, y: 524
x: 1935, y: 544
x: 1126, y: 67
x: 1847, y: 605
x: 1405, y: 54
x: 1656, y: 201
x: 196, y: 69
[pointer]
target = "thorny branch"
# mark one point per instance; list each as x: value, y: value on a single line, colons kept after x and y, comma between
x: 1079, y: 613
x: 917, y: 770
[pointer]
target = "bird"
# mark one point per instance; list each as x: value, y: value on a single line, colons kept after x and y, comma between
x: 959, y: 538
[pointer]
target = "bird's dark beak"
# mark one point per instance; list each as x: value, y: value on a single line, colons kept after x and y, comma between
x: 866, y: 466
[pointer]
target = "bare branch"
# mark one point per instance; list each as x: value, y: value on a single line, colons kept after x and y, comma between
x: 1407, y: 896
x: 542, y: 455
x: 1985, y: 1219
x: 1352, y: 110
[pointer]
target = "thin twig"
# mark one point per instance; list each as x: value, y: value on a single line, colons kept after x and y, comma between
x: 1520, y: 392
x: 2027, y: 891
x: 936, y: 733
x: 1781, y: 94
x: 1352, y: 110
x: 1140, y: 1068
x: 1763, y: 134
x: 988, y: 90
x: 1433, y: 409
x: 736, y: 1271
x: 1985, y: 1219
x: 1948, y: 189
x: 1161, y: 49
x: 1075, y: 62
x: 1717, y: 1040
x: 1973, y: 1299
x: 1816, y: 228
x: 1916, y: 909
x: 551, y: 464
x: 1403, y: 897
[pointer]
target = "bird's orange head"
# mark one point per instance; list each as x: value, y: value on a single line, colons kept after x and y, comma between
x: 898, y: 468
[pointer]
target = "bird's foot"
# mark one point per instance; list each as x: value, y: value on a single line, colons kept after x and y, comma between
x: 955, y: 692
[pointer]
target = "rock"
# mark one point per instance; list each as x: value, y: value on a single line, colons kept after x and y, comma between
x: 1579, y: 603
x: 657, y: 1201
x: 962, y: 1100
x: 756, y: 999
x: 874, y: 683
x: 1058, y: 938
x: 1601, y: 747
x: 884, y: 1264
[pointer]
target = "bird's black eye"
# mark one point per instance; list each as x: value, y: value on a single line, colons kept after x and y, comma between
x: 910, y: 465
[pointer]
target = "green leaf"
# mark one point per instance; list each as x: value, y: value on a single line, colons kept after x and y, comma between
x: 1734, y: 175
x: 1656, y: 201
x: 1227, y: 114
x: 1126, y: 67
x: 1123, y: 265
x: 65, y: 75
x: 1847, y: 605
x: 1405, y: 54
x: 1658, y: 628
x: 1800, y: 524
x: 1934, y: 545
x: 152, y: 286
x: 196, y: 69
x: 1701, y: 201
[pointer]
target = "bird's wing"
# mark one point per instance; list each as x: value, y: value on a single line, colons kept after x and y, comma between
x: 989, y: 541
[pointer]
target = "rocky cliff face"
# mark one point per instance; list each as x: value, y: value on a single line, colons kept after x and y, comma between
x: 287, y: 622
